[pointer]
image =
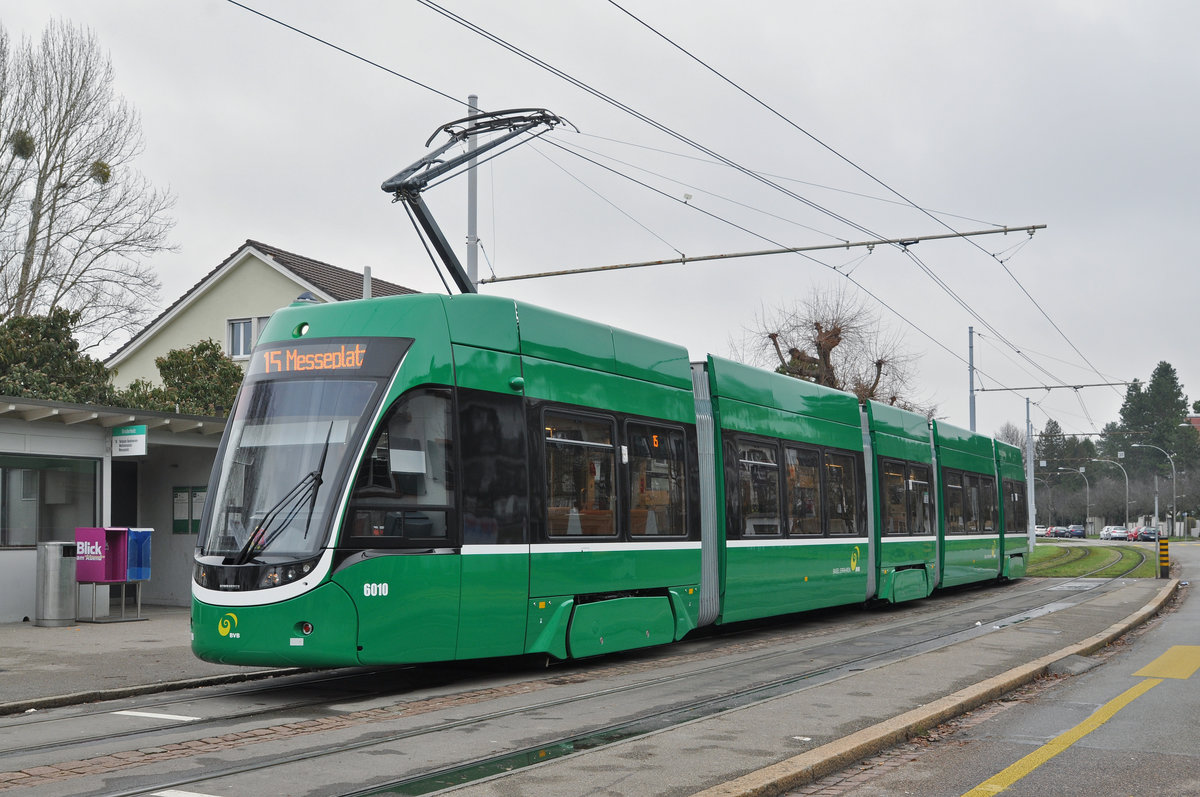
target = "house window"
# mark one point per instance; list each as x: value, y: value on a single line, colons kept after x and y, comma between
x: 243, y: 334
x: 241, y: 337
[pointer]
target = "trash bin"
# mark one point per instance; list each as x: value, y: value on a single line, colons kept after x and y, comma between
x: 54, y: 604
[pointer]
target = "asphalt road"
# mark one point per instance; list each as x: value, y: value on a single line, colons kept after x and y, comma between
x: 1126, y: 723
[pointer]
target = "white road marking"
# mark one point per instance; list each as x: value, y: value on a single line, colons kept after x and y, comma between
x: 153, y: 716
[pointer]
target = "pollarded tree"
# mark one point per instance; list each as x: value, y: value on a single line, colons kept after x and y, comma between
x: 1013, y: 435
x: 835, y: 339
x: 76, y: 219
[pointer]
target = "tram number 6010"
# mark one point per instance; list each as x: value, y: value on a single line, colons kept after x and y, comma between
x: 375, y: 590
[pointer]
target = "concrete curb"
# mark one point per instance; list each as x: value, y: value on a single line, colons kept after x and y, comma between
x: 97, y: 695
x: 827, y: 759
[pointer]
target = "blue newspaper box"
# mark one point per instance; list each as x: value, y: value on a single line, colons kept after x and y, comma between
x: 138, y: 555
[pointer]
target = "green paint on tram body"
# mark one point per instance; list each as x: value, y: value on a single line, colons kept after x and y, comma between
x: 522, y: 481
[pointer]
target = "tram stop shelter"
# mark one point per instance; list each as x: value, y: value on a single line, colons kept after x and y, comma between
x: 65, y: 466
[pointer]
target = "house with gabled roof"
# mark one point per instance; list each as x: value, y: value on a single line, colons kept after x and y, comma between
x: 232, y: 302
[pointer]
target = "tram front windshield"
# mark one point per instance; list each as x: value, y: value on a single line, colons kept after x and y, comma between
x: 279, y: 475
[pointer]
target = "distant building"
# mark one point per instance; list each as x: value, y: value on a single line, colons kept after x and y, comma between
x: 59, y: 468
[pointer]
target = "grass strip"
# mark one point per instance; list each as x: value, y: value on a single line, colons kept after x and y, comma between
x: 1072, y: 561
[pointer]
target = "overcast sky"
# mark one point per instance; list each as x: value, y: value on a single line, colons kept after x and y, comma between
x: 1077, y: 115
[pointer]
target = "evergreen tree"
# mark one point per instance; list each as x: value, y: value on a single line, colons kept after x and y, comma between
x: 197, y: 380
x: 40, y: 359
x: 202, y: 379
x: 1152, y: 415
x: 1051, y: 447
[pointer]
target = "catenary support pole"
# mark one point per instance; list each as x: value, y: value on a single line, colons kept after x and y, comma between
x: 472, y: 201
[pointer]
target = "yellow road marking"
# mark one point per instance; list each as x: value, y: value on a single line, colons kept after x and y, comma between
x: 1060, y: 743
x: 1180, y: 661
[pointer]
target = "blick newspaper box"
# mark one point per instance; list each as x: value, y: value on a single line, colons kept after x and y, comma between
x: 113, y: 556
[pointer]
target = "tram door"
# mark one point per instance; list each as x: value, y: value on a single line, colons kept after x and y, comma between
x: 406, y: 577
x: 494, y: 488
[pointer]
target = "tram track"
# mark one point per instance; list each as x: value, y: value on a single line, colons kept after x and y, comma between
x: 971, y: 621
x: 174, y: 700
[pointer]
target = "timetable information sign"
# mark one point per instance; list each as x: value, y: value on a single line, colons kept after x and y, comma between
x: 129, y: 441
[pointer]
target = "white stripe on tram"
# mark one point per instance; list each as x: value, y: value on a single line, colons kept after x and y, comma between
x: 795, y: 542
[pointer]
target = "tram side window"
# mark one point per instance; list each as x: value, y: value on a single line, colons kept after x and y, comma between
x: 891, y: 484
x: 803, y: 491
x: 952, y: 492
x: 1015, y: 512
x: 987, y: 504
x: 758, y: 487
x: 580, y: 476
x: 495, y: 482
x: 920, y: 503
x: 404, y: 492
x: 841, y: 494
x: 971, y: 503
x: 657, y: 481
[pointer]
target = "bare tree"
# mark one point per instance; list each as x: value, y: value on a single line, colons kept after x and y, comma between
x: 76, y: 219
x: 834, y: 338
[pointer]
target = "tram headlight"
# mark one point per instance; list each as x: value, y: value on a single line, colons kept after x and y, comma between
x: 278, y: 575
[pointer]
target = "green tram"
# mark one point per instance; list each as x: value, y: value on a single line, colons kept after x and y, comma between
x: 425, y: 478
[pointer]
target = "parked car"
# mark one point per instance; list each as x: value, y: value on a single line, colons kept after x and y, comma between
x: 1056, y: 531
x: 1106, y: 532
x: 1076, y: 531
x: 1118, y: 533
x: 1039, y: 531
x: 1147, y: 534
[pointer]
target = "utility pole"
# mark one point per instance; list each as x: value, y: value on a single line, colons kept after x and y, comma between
x: 472, y: 201
x: 971, y: 370
x: 1030, y: 496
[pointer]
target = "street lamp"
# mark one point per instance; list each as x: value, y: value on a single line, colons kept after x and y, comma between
x: 1170, y: 459
x: 1122, y: 467
x: 1087, y: 501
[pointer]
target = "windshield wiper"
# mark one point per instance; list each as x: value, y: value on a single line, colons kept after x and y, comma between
x: 312, y: 507
x: 267, y: 532
x: 264, y: 535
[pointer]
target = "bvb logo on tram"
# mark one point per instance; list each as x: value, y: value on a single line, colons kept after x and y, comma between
x: 227, y: 624
x: 854, y: 560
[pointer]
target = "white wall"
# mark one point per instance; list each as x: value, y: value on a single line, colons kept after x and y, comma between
x: 171, y: 460
x: 171, y: 555
x: 18, y: 566
x: 17, y: 584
